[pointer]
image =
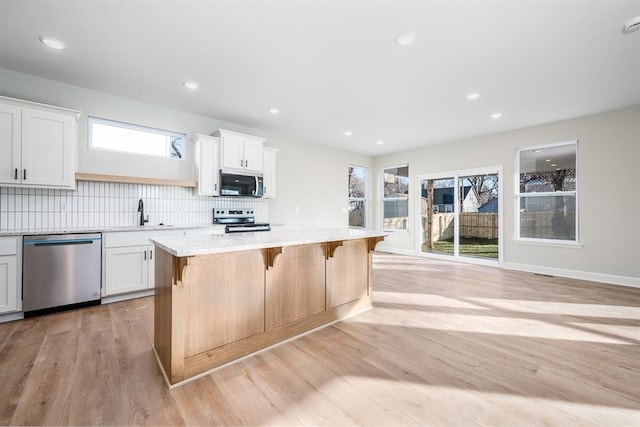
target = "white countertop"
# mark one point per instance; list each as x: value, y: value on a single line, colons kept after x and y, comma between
x: 111, y: 229
x: 212, y: 244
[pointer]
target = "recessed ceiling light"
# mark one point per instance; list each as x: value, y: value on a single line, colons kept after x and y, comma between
x: 379, y: 142
x: 539, y: 150
x: 553, y: 164
x: 190, y: 85
x: 496, y: 115
x: 274, y: 110
x: 406, y: 38
x: 631, y: 25
x: 473, y: 96
x: 348, y: 133
x: 53, y: 43
x: 547, y: 160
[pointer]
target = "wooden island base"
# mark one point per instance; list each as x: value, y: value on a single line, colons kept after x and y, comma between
x: 215, y: 308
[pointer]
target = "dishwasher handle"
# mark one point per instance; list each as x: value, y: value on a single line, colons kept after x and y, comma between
x: 64, y: 242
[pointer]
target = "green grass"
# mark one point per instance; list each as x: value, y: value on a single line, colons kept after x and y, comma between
x: 469, y: 246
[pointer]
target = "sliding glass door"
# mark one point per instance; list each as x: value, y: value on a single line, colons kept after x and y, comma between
x: 459, y: 214
x: 437, y: 207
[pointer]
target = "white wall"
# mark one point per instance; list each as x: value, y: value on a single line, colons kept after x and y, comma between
x: 311, y: 177
x: 315, y: 180
x: 609, y: 205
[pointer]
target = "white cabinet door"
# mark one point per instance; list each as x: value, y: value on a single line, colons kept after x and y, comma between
x: 240, y: 152
x: 253, y: 155
x: 207, y: 165
x: 232, y: 152
x: 269, y: 172
x: 48, y: 147
x: 10, y: 164
x: 126, y: 269
x: 8, y: 283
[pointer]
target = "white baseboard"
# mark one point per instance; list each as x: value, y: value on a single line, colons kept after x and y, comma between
x: 633, y: 282
x: 132, y: 295
x: 11, y: 316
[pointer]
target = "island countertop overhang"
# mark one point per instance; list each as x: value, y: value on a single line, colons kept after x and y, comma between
x: 185, y: 246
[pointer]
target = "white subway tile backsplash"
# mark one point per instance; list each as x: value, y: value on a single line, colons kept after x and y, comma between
x: 101, y: 204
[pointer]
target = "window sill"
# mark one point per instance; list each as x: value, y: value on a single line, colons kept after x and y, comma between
x: 549, y: 243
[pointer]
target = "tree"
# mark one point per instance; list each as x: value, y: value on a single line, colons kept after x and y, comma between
x: 485, y: 187
x: 356, y: 182
x: 551, y: 181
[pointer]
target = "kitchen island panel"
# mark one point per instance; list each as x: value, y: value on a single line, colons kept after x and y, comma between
x: 168, y: 332
x: 224, y: 299
x: 295, y: 284
x: 347, y: 272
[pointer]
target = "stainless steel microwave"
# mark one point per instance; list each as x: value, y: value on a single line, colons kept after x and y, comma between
x: 241, y: 185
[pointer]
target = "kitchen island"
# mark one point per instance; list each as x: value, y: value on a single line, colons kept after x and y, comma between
x: 222, y: 297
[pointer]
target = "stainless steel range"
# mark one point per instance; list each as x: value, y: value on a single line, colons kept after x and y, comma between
x: 238, y: 220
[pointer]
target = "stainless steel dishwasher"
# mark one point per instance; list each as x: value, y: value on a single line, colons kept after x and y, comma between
x: 60, y: 271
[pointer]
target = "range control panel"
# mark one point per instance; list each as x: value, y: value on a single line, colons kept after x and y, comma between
x: 233, y: 216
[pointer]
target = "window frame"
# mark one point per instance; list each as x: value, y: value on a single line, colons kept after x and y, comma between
x: 363, y: 199
x: 124, y: 125
x: 383, y: 198
x: 571, y: 193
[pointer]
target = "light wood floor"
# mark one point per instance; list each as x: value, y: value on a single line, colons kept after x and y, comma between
x: 445, y: 344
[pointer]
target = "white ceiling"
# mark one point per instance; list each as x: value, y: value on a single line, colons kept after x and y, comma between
x: 333, y: 65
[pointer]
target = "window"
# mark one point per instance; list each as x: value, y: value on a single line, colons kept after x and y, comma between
x: 357, y: 199
x: 547, y: 192
x: 116, y: 136
x: 396, y: 198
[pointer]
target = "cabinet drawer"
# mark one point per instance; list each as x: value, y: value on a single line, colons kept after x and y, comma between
x: 9, y: 245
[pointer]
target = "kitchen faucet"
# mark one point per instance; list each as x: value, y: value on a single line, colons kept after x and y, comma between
x: 141, y: 210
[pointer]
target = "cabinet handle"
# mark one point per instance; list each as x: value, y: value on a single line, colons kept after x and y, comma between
x: 150, y: 254
x: 15, y: 175
x: 145, y: 255
x: 24, y: 177
x: 241, y: 163
x: 215, y: 187
x: 246, y: 163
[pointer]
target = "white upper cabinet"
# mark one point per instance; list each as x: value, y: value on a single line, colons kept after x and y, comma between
x: 240, y: 152
x: 269, y: 172
x: 38, y: 145
x: 10, y: 142
x: 207, y: 165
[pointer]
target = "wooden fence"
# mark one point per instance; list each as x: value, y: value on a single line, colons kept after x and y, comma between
x: 482, y: 225
x: 472, y: 224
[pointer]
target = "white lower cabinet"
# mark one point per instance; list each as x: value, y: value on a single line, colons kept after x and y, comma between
x: 129, y: 258
x: 128, y: 269
x: 10, y: 273
x: 128, y: 261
